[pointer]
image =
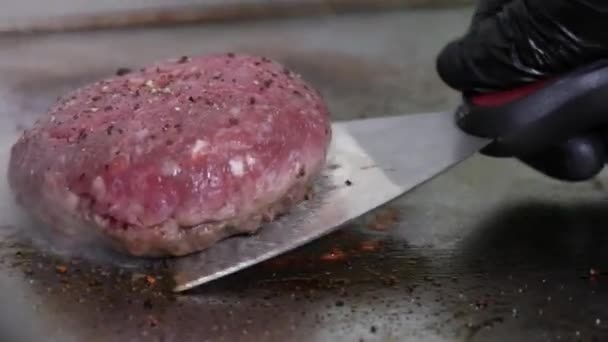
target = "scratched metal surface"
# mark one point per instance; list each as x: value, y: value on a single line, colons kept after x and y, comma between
x: 487, y: 252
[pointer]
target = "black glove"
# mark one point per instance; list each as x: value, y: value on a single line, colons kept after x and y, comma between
x: 511, y: 43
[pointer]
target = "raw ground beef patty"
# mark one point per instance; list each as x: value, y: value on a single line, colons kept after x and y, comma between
x: 174, y: 157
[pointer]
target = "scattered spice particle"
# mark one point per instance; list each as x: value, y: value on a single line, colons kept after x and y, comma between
x: 231, y: 55
x: 107, y: 108
x: 82, y: 135
x: 384, y: 219
x: 191, y: 99
x: 335, y: 255
x: 301, y: 172
x: 153, y: 321
x: 373, y: 329
x: 348, y: 182
x: 183, y: 60
x: 109, y: 129
x: 62, y: 269
x: 369, y: 246
x: 251, y: 101
x: 122, y: 71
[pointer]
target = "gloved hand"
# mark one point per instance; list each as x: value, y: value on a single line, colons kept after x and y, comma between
x: 511, y: 43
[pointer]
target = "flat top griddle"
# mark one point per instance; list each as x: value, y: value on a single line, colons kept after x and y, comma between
x: 487, y: 252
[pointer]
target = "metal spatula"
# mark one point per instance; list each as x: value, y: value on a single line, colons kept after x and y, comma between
x: 373, y: 161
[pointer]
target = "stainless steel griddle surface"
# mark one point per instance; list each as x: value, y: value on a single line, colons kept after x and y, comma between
x: 487, y: 252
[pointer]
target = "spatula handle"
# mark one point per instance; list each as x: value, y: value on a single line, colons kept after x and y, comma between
x: 560, y: 109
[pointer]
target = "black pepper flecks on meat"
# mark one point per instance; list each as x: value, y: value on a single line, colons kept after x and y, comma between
x: 82, y: 135
x: 268, y: 83
x: 231, y: 55
x: 95, y: 98
x: 183, y: 60
x: 233, y: 121
x: 107, y: 108
x: 191, y: 99
x: 251, y: 100
x: 208, y: 102
x: 301, y: 172
x: 122, y: 71
x: 297, y: 93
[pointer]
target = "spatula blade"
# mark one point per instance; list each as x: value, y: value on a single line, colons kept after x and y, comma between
x: 370, y: 162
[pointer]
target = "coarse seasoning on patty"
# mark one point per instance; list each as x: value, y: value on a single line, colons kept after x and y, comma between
x: 172, y: 158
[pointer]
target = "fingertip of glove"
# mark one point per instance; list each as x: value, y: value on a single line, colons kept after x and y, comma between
x: 450, y: 66
x: 578, y: 159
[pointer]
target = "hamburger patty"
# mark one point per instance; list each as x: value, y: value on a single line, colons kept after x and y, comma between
x: 172, y: 158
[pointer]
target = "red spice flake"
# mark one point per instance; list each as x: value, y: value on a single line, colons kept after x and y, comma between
x: 334, y: 255
x: 150, y: 280
x: 385, y: 219
x: 152, y: 321
x: 62, y: 269
x: 369, y: 246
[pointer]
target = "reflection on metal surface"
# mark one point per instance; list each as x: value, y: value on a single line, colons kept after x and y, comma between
x: 371, y: 162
